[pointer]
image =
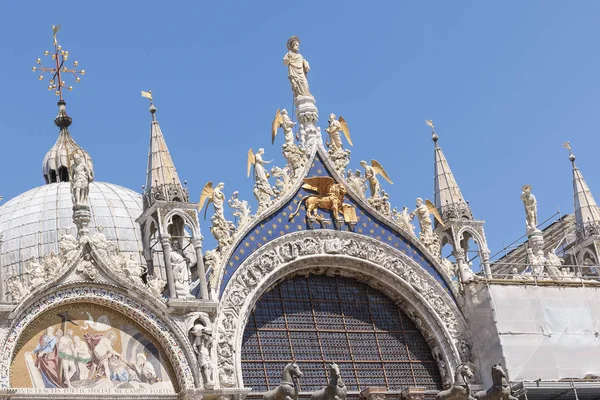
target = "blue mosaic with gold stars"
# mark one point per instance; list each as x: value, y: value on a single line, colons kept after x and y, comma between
x: 278, y: 225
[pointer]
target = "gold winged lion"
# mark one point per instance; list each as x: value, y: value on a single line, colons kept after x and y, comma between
x: 330, y: 197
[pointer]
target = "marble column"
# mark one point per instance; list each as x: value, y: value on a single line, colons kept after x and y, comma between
x: 166, y: 247
x: 197, y: 242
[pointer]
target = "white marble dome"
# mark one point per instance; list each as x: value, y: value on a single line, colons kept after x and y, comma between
x: 33, y: 222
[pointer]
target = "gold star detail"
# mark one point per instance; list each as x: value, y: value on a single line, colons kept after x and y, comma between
x: 281, y: 233
x: 231, y: 263
x: 242, y: 251
x: 359, y: 230
x: 372, y: 231
x: 284, y: 214
x: 270, y: 232
x: 237, y: 258
x: 299, y: 226
x: 252, y: 238
x: 389, y: 238
x: 247, y: 244
x: 275, y: 226
x: 287, y: 226
x: 279, y: 219
x: 264, y: 238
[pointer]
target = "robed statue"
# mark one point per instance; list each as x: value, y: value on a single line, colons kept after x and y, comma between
x: 81, y: 176
x: 297, y: 68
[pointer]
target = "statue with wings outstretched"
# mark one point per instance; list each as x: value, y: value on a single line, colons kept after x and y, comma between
x: 282, y: 120
x: 330, y: 197
x: 334, y: 128
x: 422, y: 212
x: 213, y: 195
x: 371, y: 172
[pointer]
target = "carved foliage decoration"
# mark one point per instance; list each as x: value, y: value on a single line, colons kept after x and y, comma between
x: 260, y: 266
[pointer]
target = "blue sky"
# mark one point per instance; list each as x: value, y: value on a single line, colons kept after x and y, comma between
x: 505, y: 82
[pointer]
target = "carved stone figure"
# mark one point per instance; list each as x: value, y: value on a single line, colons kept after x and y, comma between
x: 500, y: 390
x: 335, y: 390
x: 282, y: 120
x: 553, y: 265
x: 297, y: 68
x: 371, y: 172
x: 530, y: 204
x: 381, y: 203
x: 132, y: 270
x: 181, y: 274
x: 357, y: 183
x: 460, y: 390
x: 67, y: 243
x: 242, y: 209
x: 37, y: 274
x: 87, y: 268
x: 202, y: 345
x: 52, y: 265
x: 16, y: 288
x: 81, y: 176
x: 288, y: 388
x: 156, y: 285
x: 334, y: 128
x: 262, y: 189
x: 221, y: 228
x: 404, y: 219
x: 426, y: 235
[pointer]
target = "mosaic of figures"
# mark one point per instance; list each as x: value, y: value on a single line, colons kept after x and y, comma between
x: 88, y: 347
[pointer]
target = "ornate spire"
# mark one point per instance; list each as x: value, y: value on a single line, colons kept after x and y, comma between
x: 587, y: 215
x: 57, y: 162
x: 448, y: 198
x: 162, y: 181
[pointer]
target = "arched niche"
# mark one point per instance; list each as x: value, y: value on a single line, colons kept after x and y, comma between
x: 85, y: 347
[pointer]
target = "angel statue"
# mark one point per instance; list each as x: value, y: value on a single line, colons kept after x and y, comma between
x: 371, y: 172
x: 334, y: 128
x: 292, y: 153
x: 282, y: 120
x: 297, y: 68
x: 221, y: 229
x: 215, y: 196
x: 262, y: 189
x: 426, y: 235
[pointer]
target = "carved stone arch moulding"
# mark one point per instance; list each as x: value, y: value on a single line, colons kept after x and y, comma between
x: 396, y: 275
x: 477, y: 235
x: 146, y: 318
x: 187, y: 219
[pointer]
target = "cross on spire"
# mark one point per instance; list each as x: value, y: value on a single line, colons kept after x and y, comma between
x: 59, y: 57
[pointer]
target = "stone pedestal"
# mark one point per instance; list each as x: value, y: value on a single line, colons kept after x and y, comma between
x: 308, y: 115
x: 414, y: 393
x: 373, y: 393
x: 82, y: 217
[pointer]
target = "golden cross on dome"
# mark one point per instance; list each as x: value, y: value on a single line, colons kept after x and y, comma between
x: 59, y: 57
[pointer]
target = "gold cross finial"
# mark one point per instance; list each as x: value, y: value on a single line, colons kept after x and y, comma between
x: 429, y: 123
x: 59, y: 56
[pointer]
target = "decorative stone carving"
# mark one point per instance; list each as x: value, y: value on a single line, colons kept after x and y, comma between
x: 381, y: 204
x: 426, y: 235
x: 212, y: 261
x: 37, y: 274
x: 288, y: 389
x: 221, y: 229
x: 330, y: 197
x: 242, y: 210
x: 156, y: 285
x: 67, y: 245
x: 357, y: 183
x: 17, y: 289
x: 460, y: 390
x: 283, y: 179
x: 202, y: 346
x: 335, y: 390
x: 338, y: 155
x: 500, y: 389
x: 449, y: 267
x: 530, y: 204
x: 86, y: 268
x: 262, y: 188
x: 404, y: 220
x: 255, y: 270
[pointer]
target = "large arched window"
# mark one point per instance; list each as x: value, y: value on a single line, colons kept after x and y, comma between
x: 317, y: 320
